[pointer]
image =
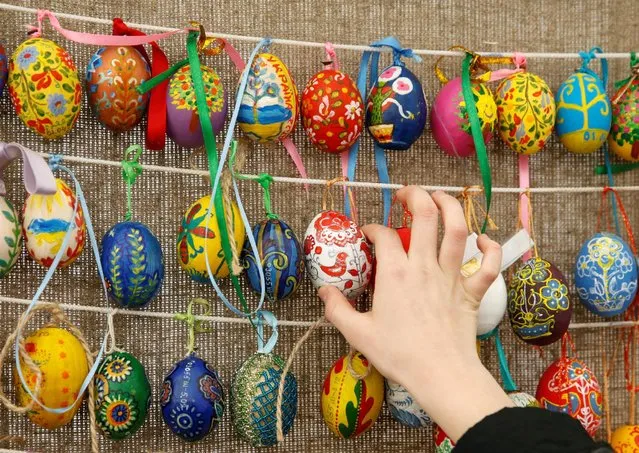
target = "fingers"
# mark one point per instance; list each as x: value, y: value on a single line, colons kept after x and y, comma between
x: 451, y: 251
x: 478, y: 283
x: 388, y: 246
x: 423, y: 243
x: 351, y: 323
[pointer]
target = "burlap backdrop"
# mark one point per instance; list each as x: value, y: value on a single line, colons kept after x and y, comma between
x: 562, y: 220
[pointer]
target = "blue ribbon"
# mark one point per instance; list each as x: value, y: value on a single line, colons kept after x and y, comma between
x: 263, y: 317
x: 504, y: 371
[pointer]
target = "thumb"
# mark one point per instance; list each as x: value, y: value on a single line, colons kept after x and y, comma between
x: 339, y: 311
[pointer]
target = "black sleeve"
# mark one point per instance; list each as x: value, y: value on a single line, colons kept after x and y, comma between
x: 528, y: 430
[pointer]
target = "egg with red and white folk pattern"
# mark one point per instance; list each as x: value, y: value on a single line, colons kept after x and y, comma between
x: 338, y: 254
x: 442, y: 442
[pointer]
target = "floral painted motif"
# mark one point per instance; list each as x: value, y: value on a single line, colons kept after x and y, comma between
x: 10, y: 236
x: 624, y: 134
x: 625, y: 439
x: 443, y: 444
x: 117, y: 412
x: 403, y: 406
x: 117, y: 369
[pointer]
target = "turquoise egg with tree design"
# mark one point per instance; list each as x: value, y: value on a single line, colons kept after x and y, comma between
x: 133, y: 264
x: 606, y: 275
x: 10, y: 236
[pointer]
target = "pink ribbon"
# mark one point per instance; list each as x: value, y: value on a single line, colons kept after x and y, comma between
x: 524, y: 202
x: 37, y: 175
x: 234, y: 55
x: 331, y: 57
x: 519, y: 60
x: 297, y: 159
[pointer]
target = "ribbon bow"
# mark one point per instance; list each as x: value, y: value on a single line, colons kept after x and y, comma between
x: 194, y: 324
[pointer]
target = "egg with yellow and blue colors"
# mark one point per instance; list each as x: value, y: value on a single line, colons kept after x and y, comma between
x: 4, y: 68
x: 45, y: 222
x: 133, y: 264
x: 606, y: 275
x: 584, y: 113
x: 10, y: 236
x: 281, y: 258
x: 192, y: 399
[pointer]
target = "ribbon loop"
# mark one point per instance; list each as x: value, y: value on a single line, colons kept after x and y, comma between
x: 194, y: 325
x: 261, y: 318
x: 131, y: 169
x: 587, y: 57
x: 399, y: 52
x: 55, y: 161
x: 331, y: 57
x: 37, y: 176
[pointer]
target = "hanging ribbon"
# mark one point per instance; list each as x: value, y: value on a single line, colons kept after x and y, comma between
x: 506, y: 377
x: 36, y: 173
x: 263, y: 317
x: 194, y: 324
x: 131, y: 169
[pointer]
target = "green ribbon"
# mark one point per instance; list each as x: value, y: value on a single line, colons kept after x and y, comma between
x: 194, y: 325
x: 148, y: 85
x: 131, y: 169
x: 634, y: 62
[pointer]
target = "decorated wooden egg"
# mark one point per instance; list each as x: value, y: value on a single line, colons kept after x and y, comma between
x: 396, y: 108
x: 4, y: 68
x: 332, y: 111
x: 195, y: 237
x: 268, y: 110
x: 64, y: 367
x: 351, y: 405
x: 192, y: 399
x: 112, y: 77
x: 492, y: 307
x: 182, y: 119
x: 254, y: 399
x: 10, y: 236
x: 133, y: 264
x: 281, y: 259
x: 442, y: 442
x: 338, y: 254
x: 538, y: 303
x: 625, y: 439
x: 123, y: 395
x: 44, y: 87
x: 522, y: 399
x: 568, y: 386
x: 449, y: 118
x: 45, y: 221
x: 584, y: 113
x: 525, y: 112
x: 606, y: 275
x: 403, y: 407
x: 624, y: 133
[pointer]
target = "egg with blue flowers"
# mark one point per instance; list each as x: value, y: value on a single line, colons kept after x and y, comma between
x: 606, y: 275
x: 133, y: 264
x: 4, y: 68
x: 192, y: 399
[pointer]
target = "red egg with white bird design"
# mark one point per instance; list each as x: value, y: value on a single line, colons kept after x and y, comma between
x: 337, y: 254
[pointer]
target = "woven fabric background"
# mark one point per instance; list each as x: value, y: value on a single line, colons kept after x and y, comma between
x: 562, y: 220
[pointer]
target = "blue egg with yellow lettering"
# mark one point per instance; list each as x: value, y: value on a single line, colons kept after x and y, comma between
x: 584, y: 113
x: 281, y: 259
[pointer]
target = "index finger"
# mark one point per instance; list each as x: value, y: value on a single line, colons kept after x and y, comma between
x: 388, y: 246
x: 424, y: 211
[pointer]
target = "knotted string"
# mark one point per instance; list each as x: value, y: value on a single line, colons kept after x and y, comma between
x: 36, y: 173
x: 111, y: 329
x: 471, y: 205
x: 131, y: 169
x: 504, y: 371
x: 328, y: 194
x: 194, y: 325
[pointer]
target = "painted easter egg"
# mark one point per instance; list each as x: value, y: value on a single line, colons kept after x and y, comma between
x: 281, y: 259
x: 45, y: 221
x: 523, y: 399
x: 112, y: 77
x: 332, y: 111
x: 396, y: 108
x: 539, y: 307
x: 4, y: 68
x: 449, y: 118
x: 10, y: 236
x: 624, y: 133
x: 64, y: 367
x: 196, y: 236
x: 44, y: 87
x: 625, y: 439
x: 525, y: 112
x: 606, y: 274
x: 182, y: 119
x: 403, y: 407
x: 568, y: 386
x: 192, y: 399
x: 492, y: 307
x: 123, y: 395
x: 338, y: 254
x: 268, y: 109
x: 351, y: 405
x: 133, y: 264
x: 442, y: 442
x: 584, y: 113
x: 254, y: 399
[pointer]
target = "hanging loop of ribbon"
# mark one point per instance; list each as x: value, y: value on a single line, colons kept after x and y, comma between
x: 262, y: 318
x: 36, y: 174
x: 622, y: 212
x: 587, y: 57
x: 131, y: 169
x: 331, y: 61
x: 193, y: 323
x: 328, y: 194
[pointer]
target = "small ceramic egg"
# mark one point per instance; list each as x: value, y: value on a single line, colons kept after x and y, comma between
x: 606, y: 275
x: 522, y: 399
x: 64, y: 367
x: 351, y: 405
x: 442, y: 442
x: 449, y: 118
x: 525, y: 112
x: 624, y: 133
x: 4, y: 68
x: 492, y: 307
x: 338, y: 254
x: 133, y: 264
x: 539, y: 307
x: 112, y: 77
x: 254, y: 399
x: 182, y: 119
x: 195, y: 237
x: 568, y: 386
x: 10, y: 236
x: 332, y: 111
x: 123, y: 395
x: 192, y: 399
x: 396, y: 108
x: 584, y: 113
x: 403, y: 407
x: 281, y: 259
x: 45, y: 221
x: 44, y: 87
x: 269, y: 105
x: 625, y: 439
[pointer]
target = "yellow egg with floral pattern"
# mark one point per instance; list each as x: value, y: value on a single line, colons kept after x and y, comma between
x: 625, y: 439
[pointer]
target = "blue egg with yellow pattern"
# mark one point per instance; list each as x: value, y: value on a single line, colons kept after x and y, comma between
x: 606, y: 275
x: 584, y: 113
x: 192, y: 399
x: 133, y: 264
x: 396, y: 108
x: 4, y: 68
x: 281, y: 259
